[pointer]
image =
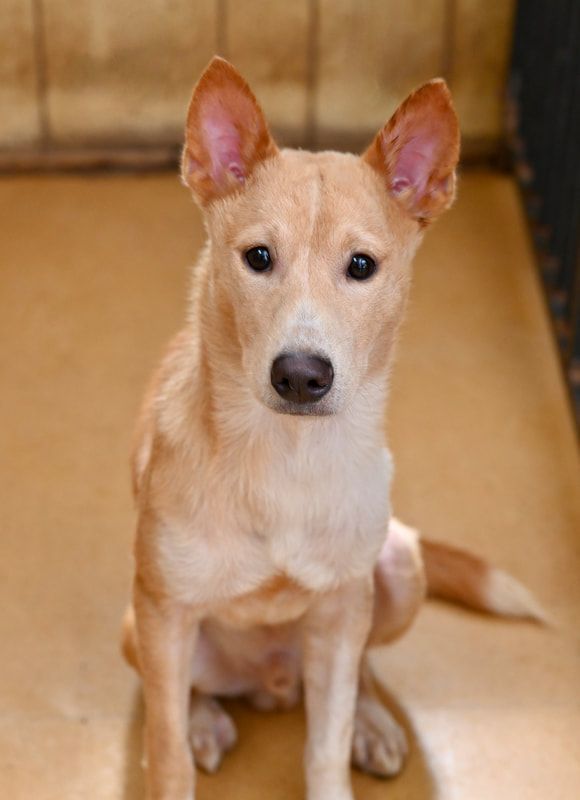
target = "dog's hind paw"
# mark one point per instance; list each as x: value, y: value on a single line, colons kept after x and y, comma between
x: 379, y: 744
x: 212, y: 732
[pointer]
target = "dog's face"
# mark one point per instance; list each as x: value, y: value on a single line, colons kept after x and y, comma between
x: 313, y: 267
x: 311, y: 252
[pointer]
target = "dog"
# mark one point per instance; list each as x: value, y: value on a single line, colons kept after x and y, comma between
x: 267, y: 559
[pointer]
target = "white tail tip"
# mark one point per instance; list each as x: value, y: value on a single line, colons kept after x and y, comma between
x: 506, y: 596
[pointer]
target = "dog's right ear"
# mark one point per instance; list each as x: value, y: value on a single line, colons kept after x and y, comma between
x: 226, y: 134
x: 416, y: 153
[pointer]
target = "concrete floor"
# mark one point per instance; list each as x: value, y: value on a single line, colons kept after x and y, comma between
x: 93, y: 279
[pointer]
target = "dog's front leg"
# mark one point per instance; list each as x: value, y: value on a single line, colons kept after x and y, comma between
x: 335, y: 632
x: 166, y: 633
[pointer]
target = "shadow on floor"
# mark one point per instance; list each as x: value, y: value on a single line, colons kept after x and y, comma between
x: 415, y: 781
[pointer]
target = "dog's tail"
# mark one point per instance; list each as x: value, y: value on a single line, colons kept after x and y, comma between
x: 459, y: 577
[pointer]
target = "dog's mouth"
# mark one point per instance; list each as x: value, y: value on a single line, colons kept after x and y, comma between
x: 302, y: 410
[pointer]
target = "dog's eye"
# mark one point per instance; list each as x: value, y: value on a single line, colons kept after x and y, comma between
x: 361, y: 267
x: 258, y: 258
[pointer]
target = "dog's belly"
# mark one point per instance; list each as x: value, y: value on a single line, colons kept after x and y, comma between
x: 231, y: 660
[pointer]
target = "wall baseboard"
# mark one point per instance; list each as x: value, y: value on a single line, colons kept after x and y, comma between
x: 152, y: 157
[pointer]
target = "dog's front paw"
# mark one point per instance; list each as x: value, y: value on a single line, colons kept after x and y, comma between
x: 212, y: 732
x: 379, y: 744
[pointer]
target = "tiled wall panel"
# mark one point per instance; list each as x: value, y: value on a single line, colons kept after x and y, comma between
x: 268, y: 42
x: 19, y: 116
x: 120, y: 70
x: 482, y: 44
x: 370, y: 55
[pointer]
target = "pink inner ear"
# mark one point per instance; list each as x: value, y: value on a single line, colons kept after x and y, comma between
x: 414, y: 163
x: 223, y: 144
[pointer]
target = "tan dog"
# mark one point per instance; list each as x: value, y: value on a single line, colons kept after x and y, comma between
x: 261, y: 474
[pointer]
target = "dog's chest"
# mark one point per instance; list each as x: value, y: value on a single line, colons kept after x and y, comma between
x: 277, y: 601
x: 317, y: 518
x: 323, y: 519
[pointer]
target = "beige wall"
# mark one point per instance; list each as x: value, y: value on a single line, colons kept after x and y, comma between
x: 119, y: 72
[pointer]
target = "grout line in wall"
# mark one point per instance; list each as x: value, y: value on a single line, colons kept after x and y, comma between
x: 312, y: 73
x: 40, y: 58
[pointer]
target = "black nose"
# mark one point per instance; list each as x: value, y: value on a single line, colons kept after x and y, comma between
x: 301, y: 378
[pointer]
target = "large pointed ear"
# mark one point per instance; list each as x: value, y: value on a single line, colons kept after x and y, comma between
x: 226, y: 133
x: 417, y: 151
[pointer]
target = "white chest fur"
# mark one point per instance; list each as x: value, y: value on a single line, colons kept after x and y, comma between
x: 311, y: 504
x: 329, y: 517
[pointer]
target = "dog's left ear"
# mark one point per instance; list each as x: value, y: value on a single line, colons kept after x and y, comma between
x: 417, y: 152
x: 226, y: 134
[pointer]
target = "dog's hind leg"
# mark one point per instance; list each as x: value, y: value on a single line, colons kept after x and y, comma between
x: 212, y: 732
x: 129, y: 646
x: 379, y: 744
x: 400, y: 584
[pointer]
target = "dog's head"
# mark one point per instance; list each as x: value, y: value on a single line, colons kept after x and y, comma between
x: 310, y: 252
